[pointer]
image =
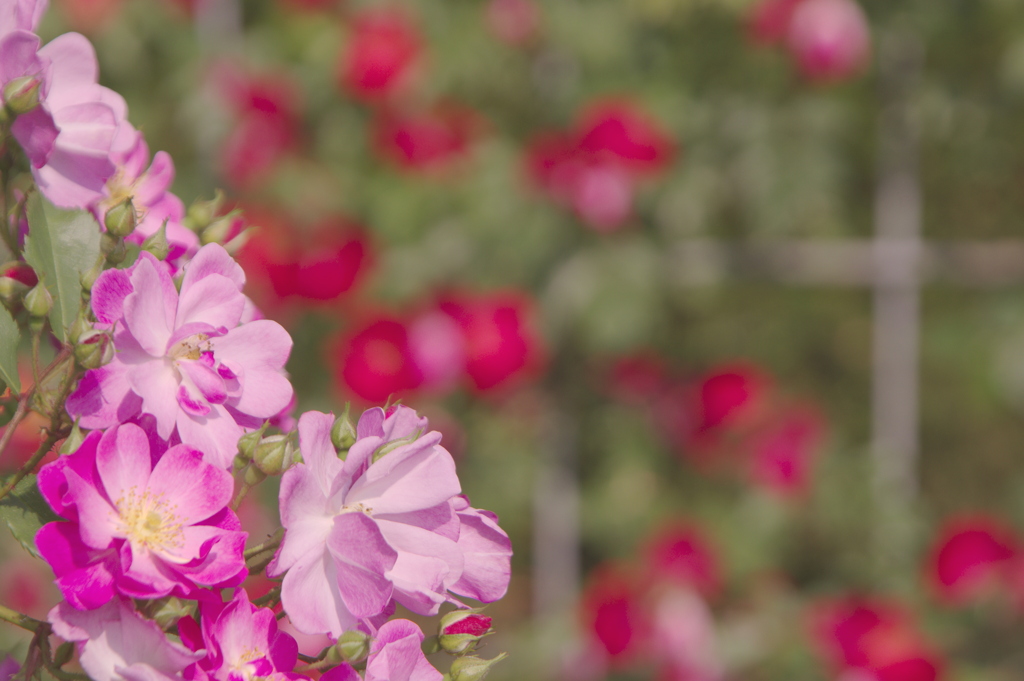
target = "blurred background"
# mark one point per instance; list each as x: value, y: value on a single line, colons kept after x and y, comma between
x: 719, y: 304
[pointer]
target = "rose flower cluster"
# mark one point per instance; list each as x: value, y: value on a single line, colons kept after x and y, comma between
x: 173, y: 402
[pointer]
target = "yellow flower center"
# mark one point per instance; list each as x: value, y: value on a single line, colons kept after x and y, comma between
x: 148, y: 522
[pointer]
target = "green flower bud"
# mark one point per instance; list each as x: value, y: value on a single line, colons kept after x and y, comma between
x: 201, y: 213
x: 275, y: 454
x: 121, y: 219
x: 253, y: 475
x: 21, y: 95
x: 248, y: 442
x: 94, y: 349
x: 352, y: 647
x: 65, y: 651
x: 219, y: 231
x: 11, y: 289
x: 113, y: 247
x: 343, y: 434
x: 38, y: 301
x: 73, y: 441
x: 90, y: 276
x: 157, y: 243
x: 473, y: 668
x: 460, y: 630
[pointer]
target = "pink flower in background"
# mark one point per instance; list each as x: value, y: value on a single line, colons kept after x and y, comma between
x: 830, y: 39
x: 438, y: 350
x: 682, y: 554
x: 428, y: 140
x: 148, y: 186
x: 683, y: 639
x: 185, y: 358
x: 382, y: 55
x: 376, y: 361
x: 595, y: 167
x: 782, y: 452
x: 383, y: 524
x: 502, y: 345
x: 971, y: 555
x: 513, y: 22
x: 136, y: 528
x: 396, y: 655
x: 267, y: 126
x: 115, y: 643
x: 240, y: 641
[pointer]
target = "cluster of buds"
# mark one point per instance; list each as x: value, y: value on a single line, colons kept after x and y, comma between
x: 215, y: 226
x: 261, y: 455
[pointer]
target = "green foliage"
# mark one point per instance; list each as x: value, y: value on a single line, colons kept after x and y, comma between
x: 10, y: 337
x: 25, y: 511
x: 61, y: 245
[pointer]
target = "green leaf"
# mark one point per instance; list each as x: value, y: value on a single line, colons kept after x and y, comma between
x: 10, y: 339
x: 25, y: 511
x: 61, y: 245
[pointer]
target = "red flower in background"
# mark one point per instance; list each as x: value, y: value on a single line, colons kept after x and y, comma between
x: 502, y: 345
x: 874, y: 636
x: 376, y: 361
x: 594, y: 167
x: 381, y: 57
x: 683, y: 555
x: 972, y: 554
x: 266, y: 129
x: 613, y: 613
x: 427, y: 140
x: 513, y: 22
x: 782, y: 452
x: 768, y: 21
x: 729, y: 400
x: 317, y: 266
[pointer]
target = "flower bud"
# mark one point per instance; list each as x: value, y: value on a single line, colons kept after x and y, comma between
x: 460, y: 630
x: 248, y: 442
x: 94, y: 349
x: 113, y: 247
x: 201, y: 213
x: 275, y: 454
x: 65, y: 651
x: 11, y: 289
x: 171, y: 609
x: 352, y: 647
x: 73, y: 441
x: 21, y: 95
x: 157, y: 243
x: 473, y: 668
x: 38, y: 301
x: 343, y: 434
x: 222, y: 229
x: 253, y: 475
x: 121, y: 219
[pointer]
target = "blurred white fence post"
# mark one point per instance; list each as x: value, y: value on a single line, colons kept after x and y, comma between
x: 896, y: 324
x: 556, y: 518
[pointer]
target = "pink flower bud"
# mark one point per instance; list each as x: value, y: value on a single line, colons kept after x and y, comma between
x: 21, y: 95
x: 830, y: 39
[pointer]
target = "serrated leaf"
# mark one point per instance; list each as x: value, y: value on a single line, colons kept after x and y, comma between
x: 61, y: 245
x: 25, y: 511
x: 10, y: 339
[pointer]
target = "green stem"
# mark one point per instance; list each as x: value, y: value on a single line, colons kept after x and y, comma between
x: 269, y: 545
x: 19, y: 620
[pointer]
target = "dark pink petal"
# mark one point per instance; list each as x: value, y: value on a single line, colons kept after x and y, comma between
x: 104, y: 397
x: 222, y: 564
x: 363, y: 557
x: 54, y: 485
x: 84, y: 577
x: 108, y: 294
x: 98, y: 523
x: 191, y: 403
x: 207, y: 381
x: 342, y: 672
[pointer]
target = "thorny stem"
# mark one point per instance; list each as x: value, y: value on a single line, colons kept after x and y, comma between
x: 243, y: 490
x: 272, y: 596
x: 269, y: 545
x: 26, y: 399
